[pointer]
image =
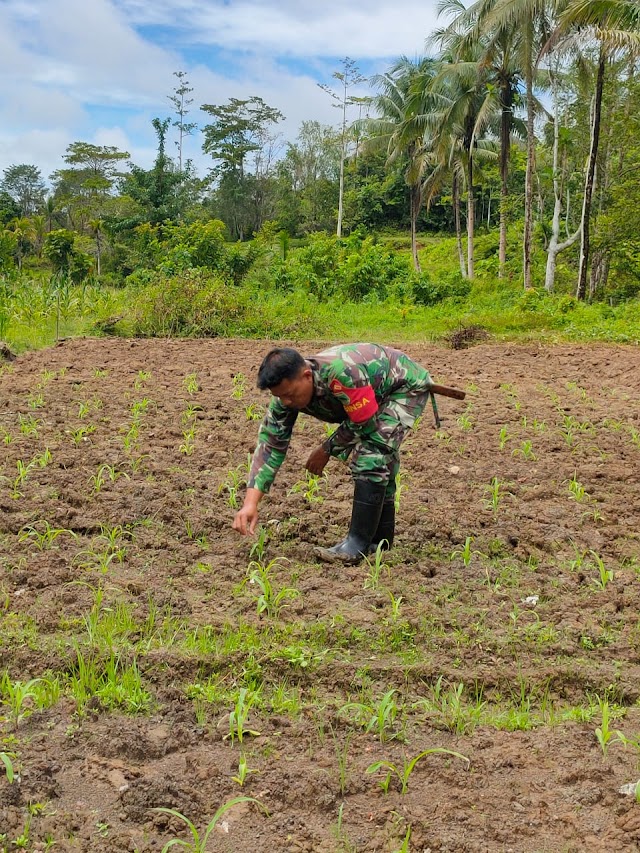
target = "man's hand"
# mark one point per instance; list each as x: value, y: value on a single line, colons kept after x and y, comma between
x: 247, y: 517
x: 317, y: 461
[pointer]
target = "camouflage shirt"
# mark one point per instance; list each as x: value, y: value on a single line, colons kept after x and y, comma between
x: 350, y: 382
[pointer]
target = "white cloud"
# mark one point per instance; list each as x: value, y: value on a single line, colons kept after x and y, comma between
x: 100, y: 70
x: 331, y: 28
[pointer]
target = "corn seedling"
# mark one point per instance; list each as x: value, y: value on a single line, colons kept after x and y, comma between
x: 198, y: 844
x: 573, y: 386
x: 35, y: 400
x: 466, y: 553
x: 577, y: 490
x: 15, y: 696
x: 42, y: 459
x: 189, y: 413
x: 605, y: 576
x: 604, y: 734
x: 493, y: 490
x: 235, y: 479
x: 82, y: 433
x: 404, y: 847
x: 23, y: 473
x: 239, y: 382
x: 267, y: 599
x: 400, y: 487
x: 29, y: 425
x: 375, y: 566
x: 465, y: 421
x: 190, y: 383
x: 139, y: 408
x: 142, y: 377
x: 503, y: 437
x: 243, y: 771
x: 239, y: 716
x: 403, y: 773
x: 104, y: 473
x: 396, y: 603
x: 188, y: 445
x: 378, y: 717
x: 443, y: 436
x: 578, y: 559
x: 310, y: 488
x: 254, y: 412
x: 7, y: 759
x: 43, y: 537
x: 258, y: 548
x: 525, y: 450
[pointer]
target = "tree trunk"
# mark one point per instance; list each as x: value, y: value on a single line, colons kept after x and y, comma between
x: 455, y: 193
x: 470, y: 215
x: 581, y: 290
x: 555, y: 246
x: 342, y: 159
x: 506, y: 97
x: 528, y: 186
x: 415, y: 201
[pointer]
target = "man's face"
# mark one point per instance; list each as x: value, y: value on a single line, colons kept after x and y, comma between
x: 295, y: 393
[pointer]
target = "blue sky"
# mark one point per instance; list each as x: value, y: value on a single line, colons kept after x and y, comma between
x: 100, y: 70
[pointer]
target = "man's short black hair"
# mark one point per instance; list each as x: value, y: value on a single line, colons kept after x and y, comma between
x: 279, y: 364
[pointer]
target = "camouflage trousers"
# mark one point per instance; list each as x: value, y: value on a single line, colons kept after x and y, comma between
x: 374, y: 453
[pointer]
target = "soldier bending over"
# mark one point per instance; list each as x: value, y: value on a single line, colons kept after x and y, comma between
x: 375, y: 394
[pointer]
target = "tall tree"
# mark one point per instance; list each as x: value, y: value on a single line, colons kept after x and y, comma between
x: 615, y: 24
x: 161, y: 192
x: 307, y: 179
x: 556, y: 245
x: 527, y: 22
x: 466, y: 106
x: 83, y: 188
x: 243, y: 147
x: 500, y: 51
x: 181, y: 104
x: 401, y: 102
x: 26, y: 187
x: 349, y: 76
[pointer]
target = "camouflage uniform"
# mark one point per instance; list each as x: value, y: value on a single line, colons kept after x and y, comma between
x: 375, y: 393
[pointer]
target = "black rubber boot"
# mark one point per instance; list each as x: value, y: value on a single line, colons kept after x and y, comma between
x: 386, y: 528
x: 365, y: 516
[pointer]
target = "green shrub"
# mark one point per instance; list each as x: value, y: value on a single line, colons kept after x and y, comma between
x: 199, y: 303
x: 354, y: 268
x: 428, y: 292
x: 196, y: 302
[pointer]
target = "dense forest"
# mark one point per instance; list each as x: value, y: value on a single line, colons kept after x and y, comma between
x: 516, y: 136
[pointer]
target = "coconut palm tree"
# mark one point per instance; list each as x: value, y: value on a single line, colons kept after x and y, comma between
x: 614, y: 25
x: 500, y: 51
x: 465, y: 106
x: 403, y: 97
x: 527, y: 22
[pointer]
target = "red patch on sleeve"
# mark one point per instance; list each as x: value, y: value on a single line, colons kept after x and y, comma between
x: 362, y: 404
x: 336, y: 386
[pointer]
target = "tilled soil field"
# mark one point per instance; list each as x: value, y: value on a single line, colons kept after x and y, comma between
x: 151, y: 658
